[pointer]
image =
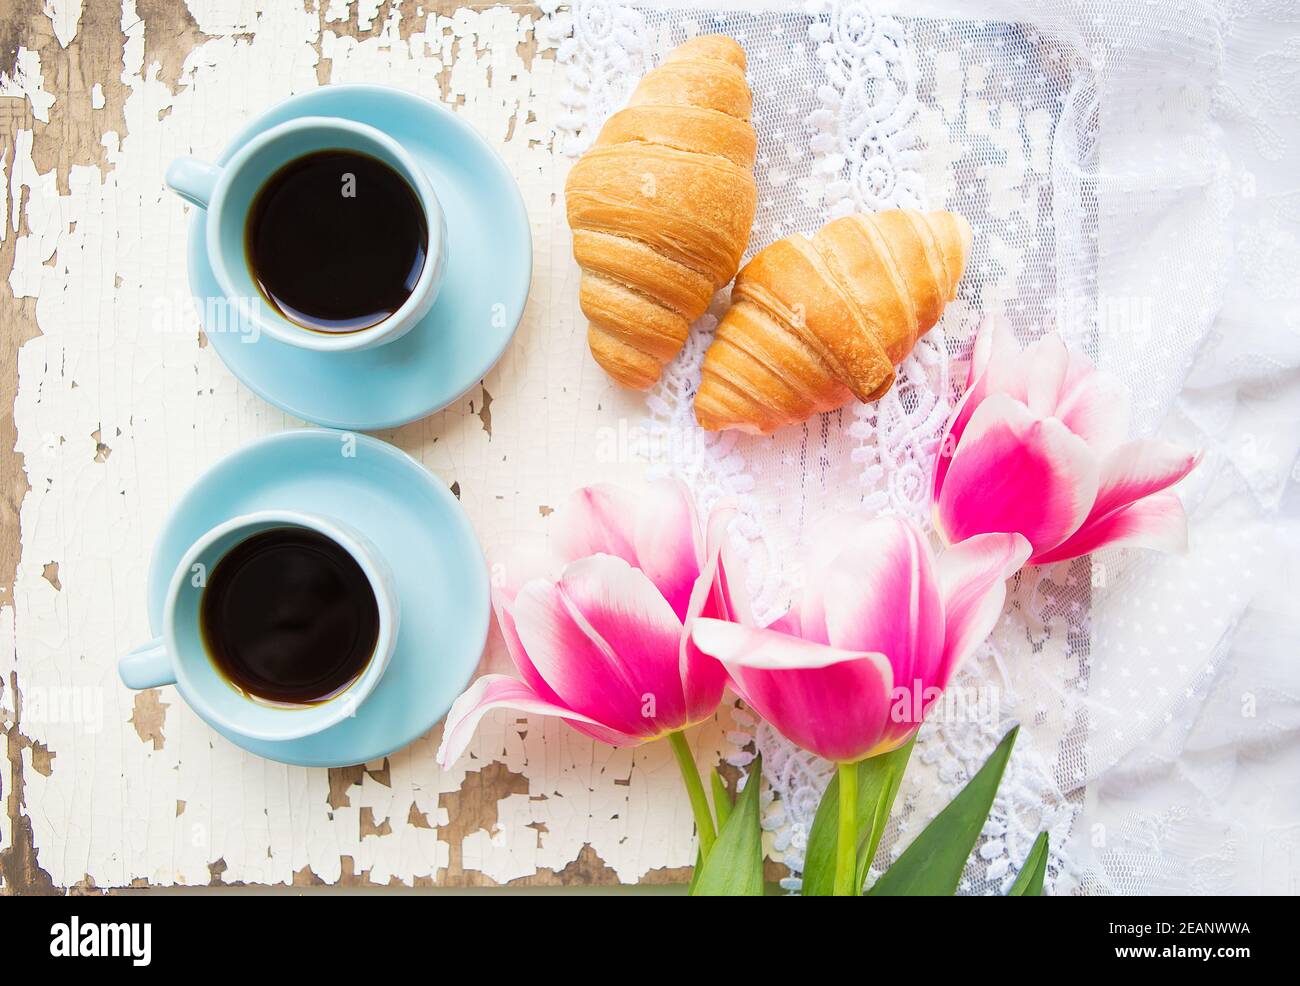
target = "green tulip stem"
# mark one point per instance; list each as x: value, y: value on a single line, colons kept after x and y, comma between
x: 846, y: 843
x: 695, y: 790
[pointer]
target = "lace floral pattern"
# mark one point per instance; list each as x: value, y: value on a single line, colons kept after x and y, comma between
x: 606, y: 49
x: 865, y: 143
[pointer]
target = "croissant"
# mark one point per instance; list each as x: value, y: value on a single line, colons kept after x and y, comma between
x: 661, y: 207
x: 815, y: 323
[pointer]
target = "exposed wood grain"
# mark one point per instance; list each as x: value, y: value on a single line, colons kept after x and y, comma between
x: 24, y: 25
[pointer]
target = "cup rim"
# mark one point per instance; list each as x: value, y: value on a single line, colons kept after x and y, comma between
x: 284, y: 329
x: 345, y: 702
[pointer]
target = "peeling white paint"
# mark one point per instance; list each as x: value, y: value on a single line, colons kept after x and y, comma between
x: 367, y: 11
x: 64, y: 16
x: 27, y: 83
x: 97, y: 260
x: 337, y: 11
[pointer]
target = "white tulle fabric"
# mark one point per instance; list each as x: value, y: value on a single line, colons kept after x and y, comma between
x: 1123, y: 169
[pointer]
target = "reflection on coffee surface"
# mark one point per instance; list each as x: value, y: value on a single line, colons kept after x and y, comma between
x: 289, y: 617
x: 336, y: 240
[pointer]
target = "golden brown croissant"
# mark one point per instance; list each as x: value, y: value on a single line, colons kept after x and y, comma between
x: 815, y: 323
x: 661, y: 207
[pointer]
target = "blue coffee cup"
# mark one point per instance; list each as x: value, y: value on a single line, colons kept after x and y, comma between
x: 227, y: 192
x: 179, y: 655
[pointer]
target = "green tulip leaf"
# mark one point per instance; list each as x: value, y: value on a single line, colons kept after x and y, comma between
x: 722, y: 804
x: 734, y: 867
x: 878, y: 780
x: 932, y: 865
x: 1029, y: 882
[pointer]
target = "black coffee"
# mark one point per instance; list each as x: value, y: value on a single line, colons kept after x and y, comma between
x: 336, y: 240
x: 288, y: 616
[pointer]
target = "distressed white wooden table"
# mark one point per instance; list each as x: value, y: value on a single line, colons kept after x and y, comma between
x: 117, y: 404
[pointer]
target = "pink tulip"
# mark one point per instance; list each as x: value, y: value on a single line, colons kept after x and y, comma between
x: 601, y: 640
x: 1037, y: 446
x: 851, y: 669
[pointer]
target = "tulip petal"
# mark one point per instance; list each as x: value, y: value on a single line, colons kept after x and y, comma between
x: 1138, y: 469
x: 668, y: 543
x: 730, y: 599
x: 597, y: 520
x: 1046, y: 361
x: 790, y: 624
x: 653, y: 527
x: 982, y: 351
x: 1157, y: 522
x: 833, y: 535
x: 766, y: 649
x: 880, y: 594
x: 994, y: 354
x: 607, y: 643
x: 497, y: 691
x: 992, y: 342
x: 518, y: 653
x: 833, y: 702
x: 1131, y: 474
x: 1007, y: 368
x: 952, y: 433
x: 972, y: 579
x: 1066, y: 386
x: 1013, y: 472
x: 703, y: 678
x: 623, y: 611
x: 1093, y: 405
x: 527, y: 560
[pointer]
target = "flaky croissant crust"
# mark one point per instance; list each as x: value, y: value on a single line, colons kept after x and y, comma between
x: 815, y: 323
x: 661, y: 207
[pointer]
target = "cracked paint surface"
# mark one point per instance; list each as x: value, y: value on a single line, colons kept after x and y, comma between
x: 119, y: 405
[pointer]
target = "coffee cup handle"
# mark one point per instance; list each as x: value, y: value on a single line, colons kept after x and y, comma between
x: 148, y: 666
x: 192, y: 179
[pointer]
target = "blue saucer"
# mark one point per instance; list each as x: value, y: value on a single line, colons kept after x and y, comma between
x: 489, y: 266
x: 416, y: 524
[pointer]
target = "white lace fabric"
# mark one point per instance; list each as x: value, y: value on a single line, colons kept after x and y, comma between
x: 1085, y: 142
